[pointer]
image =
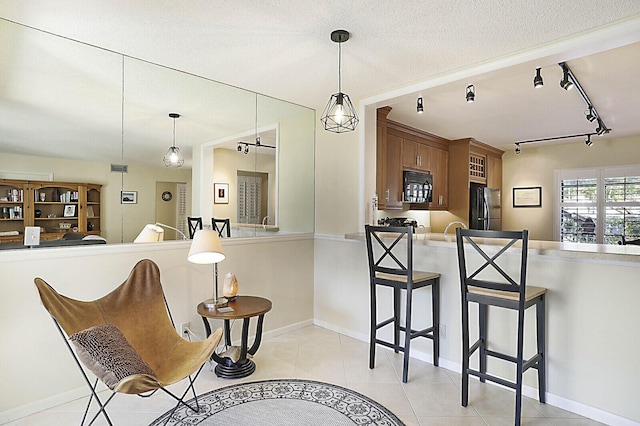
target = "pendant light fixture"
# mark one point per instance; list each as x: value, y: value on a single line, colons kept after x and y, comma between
x: 339, y: 116
x: 420, y: 106
x: 173, y: 157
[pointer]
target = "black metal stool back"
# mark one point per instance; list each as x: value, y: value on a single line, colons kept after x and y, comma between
x: 222, y: 226
x: 195, y: 223
x: 491, y: 285
x: 390, y: 253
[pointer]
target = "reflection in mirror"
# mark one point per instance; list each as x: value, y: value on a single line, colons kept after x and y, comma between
x: 72, y: 112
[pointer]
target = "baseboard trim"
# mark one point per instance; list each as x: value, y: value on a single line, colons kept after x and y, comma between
x: 81, y: 392
x: 531, y: 392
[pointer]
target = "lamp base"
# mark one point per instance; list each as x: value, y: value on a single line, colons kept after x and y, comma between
x: 211, y: 303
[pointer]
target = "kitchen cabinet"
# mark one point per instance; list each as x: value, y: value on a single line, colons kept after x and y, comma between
x: 439, y: 167
x: 400, y: 147
x: 415, y: 155
x: 471, y: 161
x: 388, y: 165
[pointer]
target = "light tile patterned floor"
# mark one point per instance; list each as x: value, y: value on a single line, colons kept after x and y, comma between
x: 431, y: 397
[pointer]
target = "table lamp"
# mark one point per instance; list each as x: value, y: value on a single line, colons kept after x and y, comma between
x: 206, y: 248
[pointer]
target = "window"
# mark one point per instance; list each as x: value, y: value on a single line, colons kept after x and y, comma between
x: 598, y: 205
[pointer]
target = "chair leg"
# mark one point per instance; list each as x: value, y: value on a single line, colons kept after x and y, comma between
x: 407, y: 337
x: 465, y: 353
x: 519, y: 365
x: 396, y: 319
x: 541, y: 331
x: 482, y: 311
x: 374, y: 325
x: 435, y: 309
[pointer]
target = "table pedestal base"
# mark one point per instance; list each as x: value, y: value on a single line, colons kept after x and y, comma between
x: 229, y: 370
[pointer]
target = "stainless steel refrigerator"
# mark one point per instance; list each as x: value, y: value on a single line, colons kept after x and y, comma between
x: 484, y: 208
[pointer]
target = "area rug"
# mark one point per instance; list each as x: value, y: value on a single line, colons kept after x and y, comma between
x: 285, y: 402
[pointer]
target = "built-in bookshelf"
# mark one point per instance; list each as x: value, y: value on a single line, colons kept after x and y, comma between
x: 55, y: 207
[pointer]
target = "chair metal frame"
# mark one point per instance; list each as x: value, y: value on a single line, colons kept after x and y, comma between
x: 224, y: 229
x: 103, y: 404
x: 195, y: 224
x: 399, y: 278
x: 511, y: 294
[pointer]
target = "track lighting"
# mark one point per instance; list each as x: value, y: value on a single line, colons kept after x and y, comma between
x: 537, y: 80
x: 517, y: 148
x: 565, y: 83
x: 588, y: 141
x: 239, y: 147
x: 419, y: 106
x: 590, y: 114
x: 257, y: 140
x: 246, y: 149
x: 471, y: 93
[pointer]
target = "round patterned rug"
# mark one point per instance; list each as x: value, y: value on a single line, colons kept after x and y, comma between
x: 283, y: 402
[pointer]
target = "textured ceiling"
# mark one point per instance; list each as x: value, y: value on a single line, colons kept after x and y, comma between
x: 283, y: 49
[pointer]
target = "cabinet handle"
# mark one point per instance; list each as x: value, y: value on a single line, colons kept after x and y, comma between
x: 387, y: 197
x: 419, y: 160
x: 440, y: 199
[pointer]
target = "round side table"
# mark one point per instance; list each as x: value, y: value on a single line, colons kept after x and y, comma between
x: 245, y: 308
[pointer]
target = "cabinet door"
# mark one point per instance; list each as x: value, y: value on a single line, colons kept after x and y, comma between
x: 494, y: 172
x: 415, y: 155
x: 392, y: 195
x: 439, y: 161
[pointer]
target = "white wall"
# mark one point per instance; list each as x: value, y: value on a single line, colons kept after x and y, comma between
x: 535, y: 166
x: 37, y: 371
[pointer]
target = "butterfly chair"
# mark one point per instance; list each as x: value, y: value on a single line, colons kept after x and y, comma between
x: 391, y: 265
x: 127, y: 339
x: 490, y: 285
x: 223, y: 226
x: 195, y: 224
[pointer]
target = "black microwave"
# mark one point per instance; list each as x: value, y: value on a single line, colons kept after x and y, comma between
x: 417, y: 187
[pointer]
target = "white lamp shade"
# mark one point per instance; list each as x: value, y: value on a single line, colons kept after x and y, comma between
x: 206, y: 248
x: 150, y: 234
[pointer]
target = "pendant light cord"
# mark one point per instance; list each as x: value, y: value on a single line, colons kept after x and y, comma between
x: 174, y: 132
x: 340, y: 67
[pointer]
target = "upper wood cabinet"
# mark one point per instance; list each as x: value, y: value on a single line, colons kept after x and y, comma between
x: 400, y: 147
x: 471, y: 161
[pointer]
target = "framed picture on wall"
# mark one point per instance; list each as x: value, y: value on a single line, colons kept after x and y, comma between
x: 530, y: 196
x: 129, y: 197
x: 221, y: 193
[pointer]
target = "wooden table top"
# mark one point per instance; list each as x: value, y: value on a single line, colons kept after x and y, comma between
x: 243, y: 307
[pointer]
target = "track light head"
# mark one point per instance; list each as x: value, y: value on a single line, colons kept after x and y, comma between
x: 470, y: 93
x: 239, y: 147
x: 565, y: 83
x: 588, y: 141
x: 246, y: 149
x: 590, y: 114
x: 257, y: 140
x: 419, y: 106
x: 537, y: 80
x: 517, y: 148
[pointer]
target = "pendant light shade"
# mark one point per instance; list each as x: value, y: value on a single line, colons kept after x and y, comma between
x: 173, y: 157
x: 339, y: 116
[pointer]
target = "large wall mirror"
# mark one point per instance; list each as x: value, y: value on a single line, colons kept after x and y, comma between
x: 70, y: 112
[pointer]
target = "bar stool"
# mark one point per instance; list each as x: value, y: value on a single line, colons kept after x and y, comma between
x: 195, y: 224
x: 391, y: 265
x: 511, y: 292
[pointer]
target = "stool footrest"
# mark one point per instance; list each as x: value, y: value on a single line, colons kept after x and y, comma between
x: 385, y: 322
x: 389, y: 345
x: 501, y: 356
x: 492, y: 378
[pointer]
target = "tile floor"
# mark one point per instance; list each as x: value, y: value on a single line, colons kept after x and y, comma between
x: 431, y: 397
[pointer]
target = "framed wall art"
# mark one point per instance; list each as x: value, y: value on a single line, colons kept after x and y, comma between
x: 530, y: 196
x: 129, y: 197
x: 221, y: 193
